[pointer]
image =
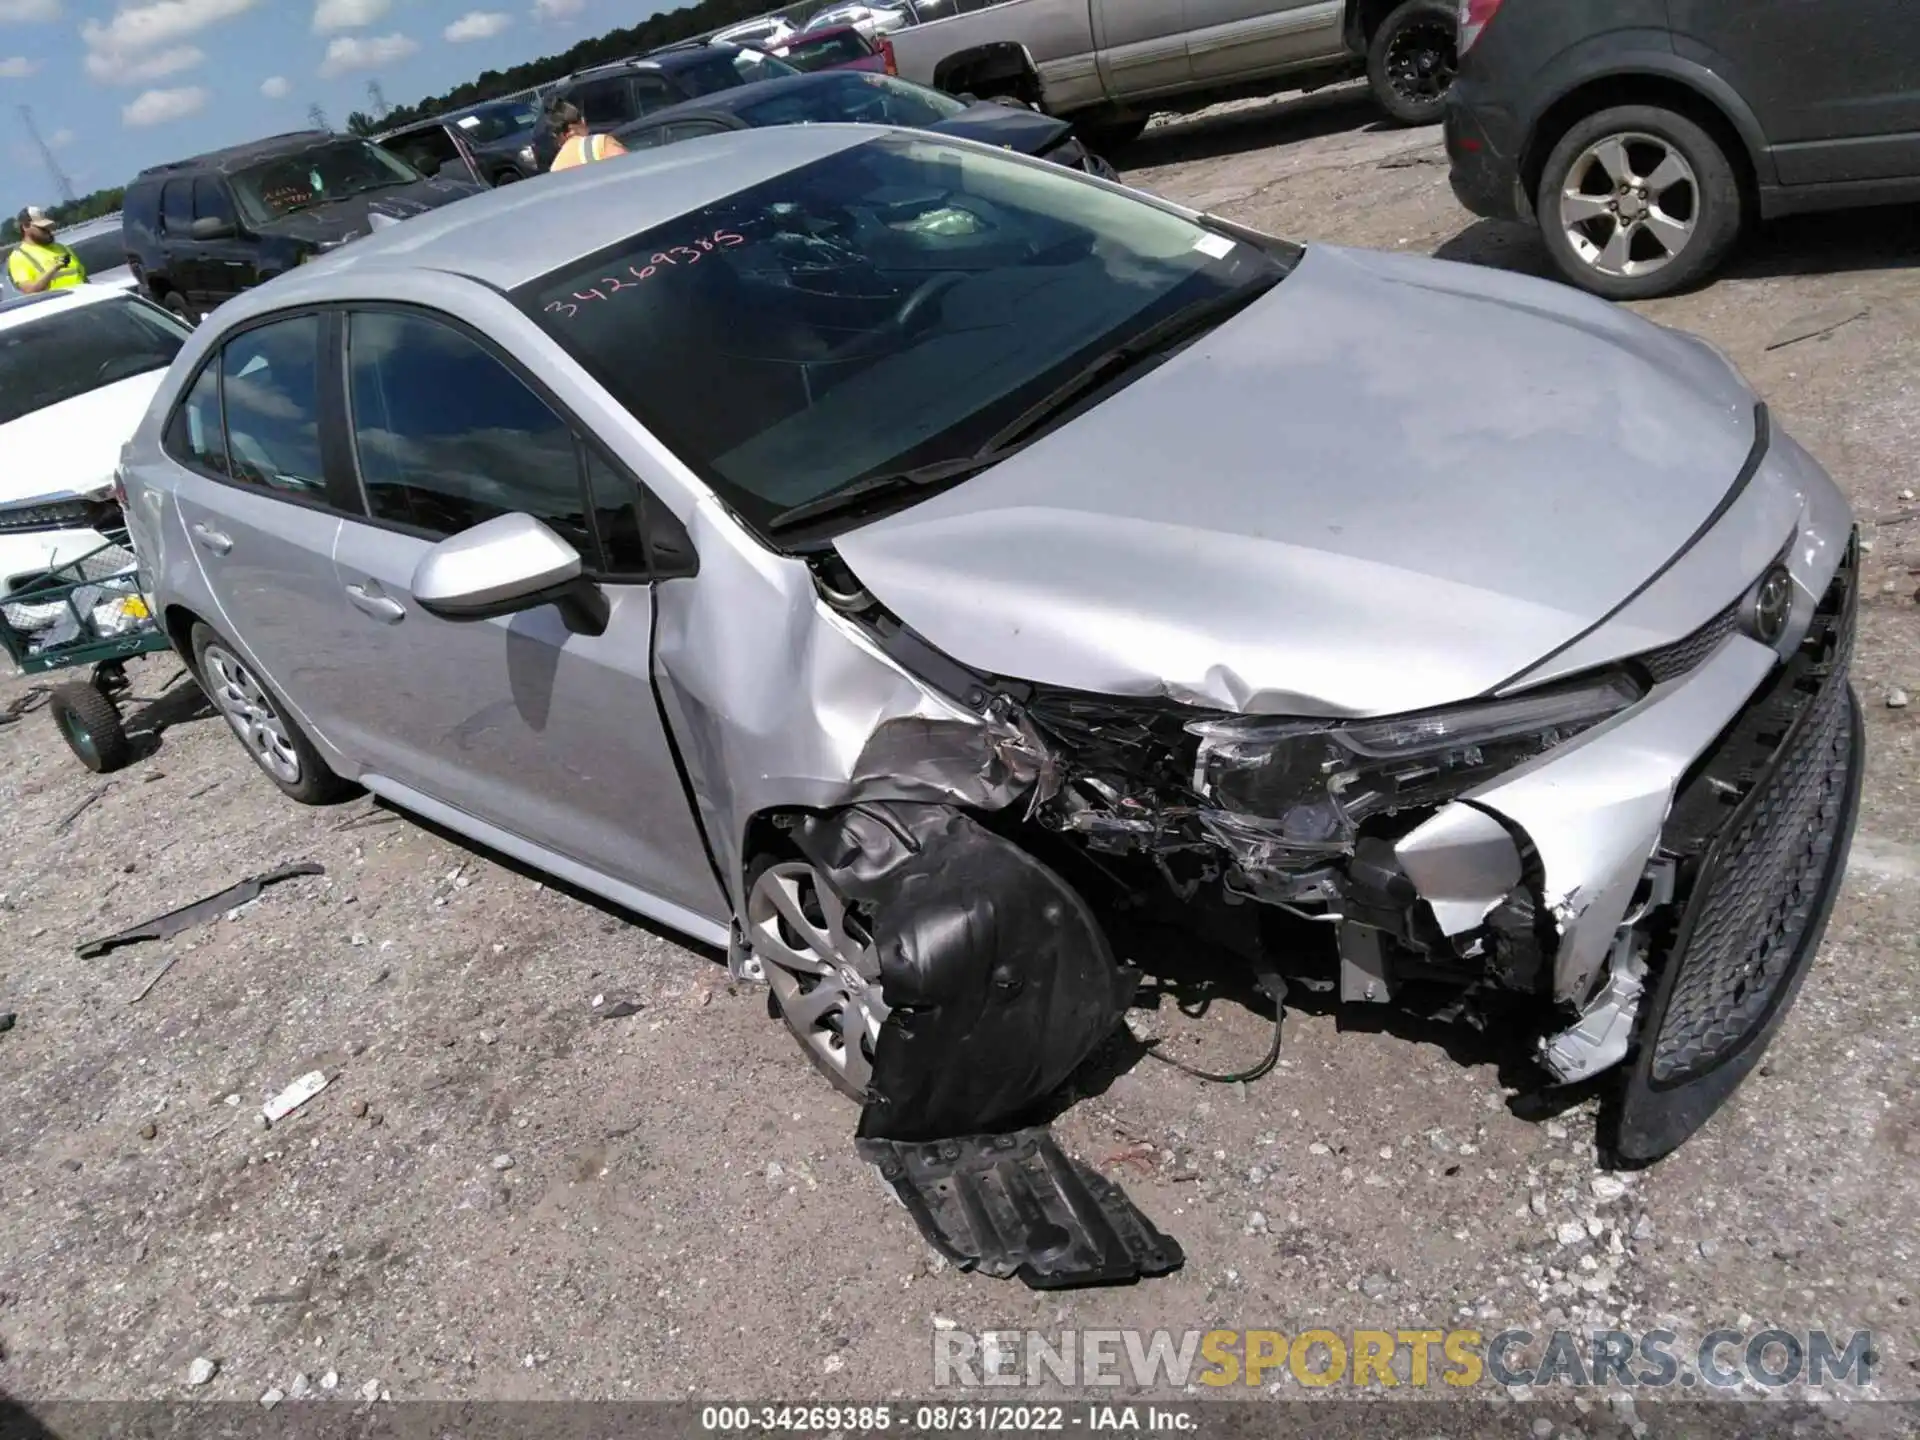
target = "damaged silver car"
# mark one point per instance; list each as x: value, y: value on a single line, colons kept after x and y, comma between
x: 919, y: 569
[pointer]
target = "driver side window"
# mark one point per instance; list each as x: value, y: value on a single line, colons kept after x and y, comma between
x: 268, y: 380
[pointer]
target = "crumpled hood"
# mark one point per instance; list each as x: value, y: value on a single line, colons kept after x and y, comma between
x: 349, y: 217
x: 1026, y: 132
x: 1390, y: 483
x: 72, y: 447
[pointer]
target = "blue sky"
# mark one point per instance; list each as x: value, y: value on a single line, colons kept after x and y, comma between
x: 115, y: 88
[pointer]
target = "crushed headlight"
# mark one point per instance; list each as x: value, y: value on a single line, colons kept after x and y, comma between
x: 1300, y: 789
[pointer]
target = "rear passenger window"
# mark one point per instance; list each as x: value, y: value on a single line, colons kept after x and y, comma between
x: 197, y: 435
x: 447, y: 436
x: 176, y: 207
x: 272, y: 406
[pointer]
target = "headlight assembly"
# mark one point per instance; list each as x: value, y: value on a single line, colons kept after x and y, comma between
x: 1302, y: 788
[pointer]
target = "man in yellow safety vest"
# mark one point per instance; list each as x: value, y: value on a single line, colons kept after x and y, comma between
x: 577, y: 145
x: 40, y: 262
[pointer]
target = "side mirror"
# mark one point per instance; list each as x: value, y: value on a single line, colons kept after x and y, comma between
x: 503, y: 566
x: 211, y: 227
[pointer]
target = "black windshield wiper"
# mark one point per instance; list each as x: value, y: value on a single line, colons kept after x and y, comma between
x: 849, y: 497
x: 1013, y: 437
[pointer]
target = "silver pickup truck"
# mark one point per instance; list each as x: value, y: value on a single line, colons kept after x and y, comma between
x: 1109, y: 63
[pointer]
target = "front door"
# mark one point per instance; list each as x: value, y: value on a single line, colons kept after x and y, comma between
x: 228, y: 265
x: 1835, y: 85
x: 550, y: 735
x: 1142, y: 46
x: 255, y: 508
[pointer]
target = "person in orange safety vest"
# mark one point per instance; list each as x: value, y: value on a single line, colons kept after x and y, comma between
x: 577, y: 146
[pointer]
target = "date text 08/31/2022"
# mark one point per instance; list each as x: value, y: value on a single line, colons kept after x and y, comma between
x: 945, y: 1419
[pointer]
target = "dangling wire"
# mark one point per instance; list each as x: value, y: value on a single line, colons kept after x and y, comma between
x: 1275, y: 989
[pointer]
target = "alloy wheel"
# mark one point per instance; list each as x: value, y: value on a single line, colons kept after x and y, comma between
x: 819, y: 961
x: 1422, y: 60
x: 1630, y: 205
x: 242, y: 699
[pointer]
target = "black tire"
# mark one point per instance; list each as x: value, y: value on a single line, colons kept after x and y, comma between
x: 302, y: 775
x: 90, y: 724
x: 1412, y: 59
x: 505, y: 177
x: 1109, y: 136
x: 176, y: 302
x: 1717, y: 207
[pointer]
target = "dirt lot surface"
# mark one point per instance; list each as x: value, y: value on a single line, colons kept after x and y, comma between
x: 502, y: 1196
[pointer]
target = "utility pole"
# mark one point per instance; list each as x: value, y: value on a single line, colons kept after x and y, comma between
x: 317, y: 117
x: 60, y: 180
x: 378, y: 99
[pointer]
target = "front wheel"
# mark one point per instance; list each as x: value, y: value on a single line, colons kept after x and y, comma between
x: 1638, y: 201
x: 1412, y: 59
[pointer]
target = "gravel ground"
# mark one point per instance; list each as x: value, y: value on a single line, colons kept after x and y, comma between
x: 501, y: 1195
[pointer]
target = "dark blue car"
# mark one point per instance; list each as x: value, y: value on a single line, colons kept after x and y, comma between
x: 866, y: 97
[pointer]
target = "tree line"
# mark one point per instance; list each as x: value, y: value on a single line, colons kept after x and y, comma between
x: 87, y: 207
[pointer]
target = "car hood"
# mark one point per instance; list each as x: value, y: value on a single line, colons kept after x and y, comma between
x: 1389, y: 483
x: 351, y: 216
x: 72, y: 447
x: 1012, y: 128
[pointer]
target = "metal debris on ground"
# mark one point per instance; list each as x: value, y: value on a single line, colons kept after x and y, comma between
x: 1819, y: 322
x: 153, y: 979
x: 200, y: 912
x: 60, y: 825
x: 294, y: 1096
x: 33, y: 699
x: 366, y: 819
x: 1016, y: 1204
x: 618, y: 1010
x: 196, y: 794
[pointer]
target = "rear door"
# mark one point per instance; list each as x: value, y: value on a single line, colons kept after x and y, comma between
x: 1235, y: 39
x: 183, y: 269
x: 1142, y: 45
x: 259, y: 515
x: 550, y: 735
x: 1835, y: 85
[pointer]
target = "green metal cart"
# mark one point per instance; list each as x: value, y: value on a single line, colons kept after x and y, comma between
x: 88, y: 611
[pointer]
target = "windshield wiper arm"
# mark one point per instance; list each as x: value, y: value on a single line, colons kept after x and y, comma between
x: 849, y: 496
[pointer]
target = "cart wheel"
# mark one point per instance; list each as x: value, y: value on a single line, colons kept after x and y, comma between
x: 90, y: 724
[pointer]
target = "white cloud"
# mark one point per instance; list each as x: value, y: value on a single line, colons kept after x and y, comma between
x: 477, y: 25
x: 28, y: 12
x: 17, y: 67
x: 545, y: 10
x: 352, y: 53
x: 157, y: 107
x: 332, y: 15
x: 60, y: 139
x: 276, y: 87
x: 161, y: 22
x: 132, y: 67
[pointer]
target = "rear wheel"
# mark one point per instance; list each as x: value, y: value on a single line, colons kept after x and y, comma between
x: 270, y: 736
x: 1412, y: 59
x: 505, y: 177
x: 90, y: 724
x: 1638, y: 201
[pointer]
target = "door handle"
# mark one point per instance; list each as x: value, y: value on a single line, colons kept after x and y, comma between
x: 209, y: 538
x: 383, y: 608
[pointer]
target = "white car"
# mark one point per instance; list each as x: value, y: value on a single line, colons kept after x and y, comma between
x: 77, y: 370
x: 762, y: 34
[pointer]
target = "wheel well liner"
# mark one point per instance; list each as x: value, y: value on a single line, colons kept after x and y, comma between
x: 1364, y: 17
x: 179, y: 622
x: 1669, y: 92
x: 1001, y: 60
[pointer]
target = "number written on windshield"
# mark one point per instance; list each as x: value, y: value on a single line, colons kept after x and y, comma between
x: 673, y: 257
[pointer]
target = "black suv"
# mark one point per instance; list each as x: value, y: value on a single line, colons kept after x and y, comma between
x: 614, y: 95
x: 199, y: 231
x: 492, y: 143
x: 1642, y: 135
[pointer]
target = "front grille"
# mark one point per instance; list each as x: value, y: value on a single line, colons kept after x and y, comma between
x: 1670, y: 662
x: 1760, y: 889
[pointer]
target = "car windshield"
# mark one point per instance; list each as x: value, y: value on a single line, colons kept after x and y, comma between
x: 817, y: 52
x: 71, y: 349
x: 313, y: 177
x: 896, y: 304
x: 726, y: 69
x: 854, y: 97
x: 496, y: 122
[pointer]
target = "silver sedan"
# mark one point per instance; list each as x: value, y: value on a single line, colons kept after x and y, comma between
x: 929, y: 573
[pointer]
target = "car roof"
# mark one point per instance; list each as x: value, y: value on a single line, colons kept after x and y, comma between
x: 236, y: 156
x: 667, y: 60
x: 454, y: 117
x: 25, y: 309
x: 736, y: 99
x: 506, y: 237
